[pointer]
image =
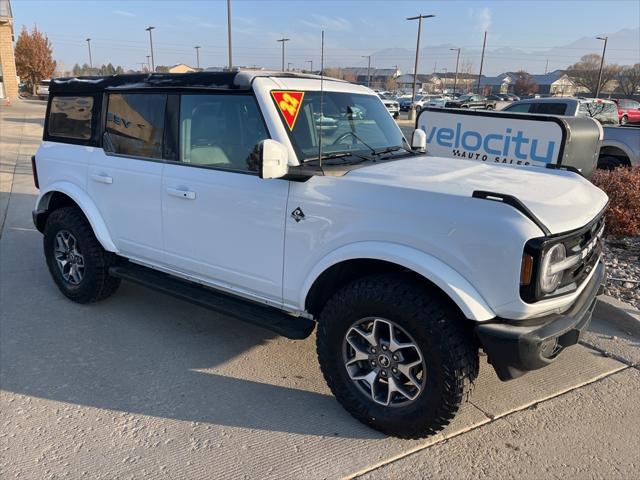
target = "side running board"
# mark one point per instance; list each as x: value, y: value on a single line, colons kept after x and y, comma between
x: 264, y: 316
x: 513, y: 202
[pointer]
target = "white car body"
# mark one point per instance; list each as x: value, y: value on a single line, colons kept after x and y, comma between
x: 395, y: 202
x: 287, y: 200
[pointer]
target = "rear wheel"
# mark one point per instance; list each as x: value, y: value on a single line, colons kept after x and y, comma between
x: 397, y: 357
x: 76, y: 260
x: 609, y: 163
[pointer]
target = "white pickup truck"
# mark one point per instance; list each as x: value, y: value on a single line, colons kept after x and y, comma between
x: 289, y: 200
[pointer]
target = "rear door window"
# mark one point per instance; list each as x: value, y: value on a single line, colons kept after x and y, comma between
x: 135, y: 124
x: 518, y: 108
x: 70, y: 117
x: 550, y: 108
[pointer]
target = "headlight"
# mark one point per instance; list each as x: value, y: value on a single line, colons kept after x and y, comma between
x: 550, y: 277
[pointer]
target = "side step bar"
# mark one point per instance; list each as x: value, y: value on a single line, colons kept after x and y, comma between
x: 264, y: 316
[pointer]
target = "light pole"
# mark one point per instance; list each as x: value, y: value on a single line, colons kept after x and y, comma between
x: 197, y: 47
x: 604, y: 49
x: 153, y: 64
x: 149, y: 63
x: 412, y: 111
x: 282, y: 40
x: 368, y: 57
x: 90, y: 60
x: 311, y: 63
x: 229, y: 33
x: 455, y: 79
x: 484, y: 44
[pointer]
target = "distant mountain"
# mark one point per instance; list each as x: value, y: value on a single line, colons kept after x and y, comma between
x: 623, y: 47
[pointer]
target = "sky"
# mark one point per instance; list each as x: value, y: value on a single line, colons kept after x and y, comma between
x: 353, y: 29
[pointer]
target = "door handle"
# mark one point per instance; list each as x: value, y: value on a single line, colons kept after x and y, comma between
x: 102, y: 179
x: 180, y: 193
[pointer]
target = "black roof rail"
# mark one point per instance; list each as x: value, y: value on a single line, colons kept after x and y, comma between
x: 515, y: 203
x: 569, y: 168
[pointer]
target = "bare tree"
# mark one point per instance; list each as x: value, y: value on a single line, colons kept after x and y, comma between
x: 525, y: 84
x: 465, y: 76
x: 390, y: 84
x: 585, y: 73
x: 629, y: 79
x: 34, y: 60
x: 332, y: 72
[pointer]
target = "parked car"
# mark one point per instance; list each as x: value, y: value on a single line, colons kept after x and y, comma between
x: 392, y: 105
x: 423, y: 100
x: 471, y: 101
x: 42, y: 90
x: 619, y: 147
x: 605, y: 111
x: 437, y: 101
x: 405, y: 102
x: 628, y: 110
x: 218, y: 189
x: 497, y: 97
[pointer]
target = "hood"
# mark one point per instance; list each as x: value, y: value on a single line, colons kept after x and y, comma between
x: 561, y: 200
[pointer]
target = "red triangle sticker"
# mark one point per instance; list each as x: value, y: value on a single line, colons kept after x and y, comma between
x: 289, y: 103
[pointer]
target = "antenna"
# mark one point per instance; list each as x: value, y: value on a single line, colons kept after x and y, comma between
x: 321, y: 101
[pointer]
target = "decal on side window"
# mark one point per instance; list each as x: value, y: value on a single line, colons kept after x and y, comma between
x: 289, y: 103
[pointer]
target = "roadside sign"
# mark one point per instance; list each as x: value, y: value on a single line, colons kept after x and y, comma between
x: 493, y: 136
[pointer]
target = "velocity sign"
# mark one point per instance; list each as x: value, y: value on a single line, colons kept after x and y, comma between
x: 492, y: 136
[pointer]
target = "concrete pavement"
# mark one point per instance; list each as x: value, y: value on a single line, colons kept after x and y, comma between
x: 145, y: 386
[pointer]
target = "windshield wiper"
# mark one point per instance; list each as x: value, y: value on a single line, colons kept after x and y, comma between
x: 332, y: 156
x: 393, y: 149
x: 354, y: 135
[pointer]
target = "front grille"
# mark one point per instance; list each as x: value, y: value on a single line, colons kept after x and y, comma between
x: 587, y: 242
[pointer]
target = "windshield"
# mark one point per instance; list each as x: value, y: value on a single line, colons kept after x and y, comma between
x: 349, y: 123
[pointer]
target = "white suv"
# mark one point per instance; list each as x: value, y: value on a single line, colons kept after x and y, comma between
x: 288, y: 201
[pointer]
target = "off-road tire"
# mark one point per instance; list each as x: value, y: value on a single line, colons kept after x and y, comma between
x: 96, y: 283
x: 446, y: 342
x: 609, y: 163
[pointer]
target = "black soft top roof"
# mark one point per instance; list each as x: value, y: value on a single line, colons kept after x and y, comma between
x: 237, y: 80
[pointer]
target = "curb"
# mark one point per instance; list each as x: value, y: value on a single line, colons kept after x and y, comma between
x: 619, y: 314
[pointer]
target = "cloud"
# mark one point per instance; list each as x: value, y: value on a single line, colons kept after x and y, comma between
x: 124, y: 13
x: 327, y: 23
x: 197, y: 22
x: 481, y: 18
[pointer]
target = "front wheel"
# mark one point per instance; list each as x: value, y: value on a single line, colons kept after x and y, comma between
x: 624, y: 120
x: 396, y: 356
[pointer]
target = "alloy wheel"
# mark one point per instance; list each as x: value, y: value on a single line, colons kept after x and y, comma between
x: 384, y: 361
x: 68, y: 257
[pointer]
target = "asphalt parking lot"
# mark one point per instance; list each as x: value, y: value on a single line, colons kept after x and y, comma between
x: 146, y: 386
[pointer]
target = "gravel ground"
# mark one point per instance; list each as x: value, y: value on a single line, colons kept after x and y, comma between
x: 622, y: 257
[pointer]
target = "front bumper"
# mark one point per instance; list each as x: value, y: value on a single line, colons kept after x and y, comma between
x: 515, y: 347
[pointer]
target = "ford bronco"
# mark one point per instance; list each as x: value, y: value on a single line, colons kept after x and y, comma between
x: 291, y: 201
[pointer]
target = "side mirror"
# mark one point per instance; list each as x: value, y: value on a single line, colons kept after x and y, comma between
x: 273, y: 159
x: 419, y: 140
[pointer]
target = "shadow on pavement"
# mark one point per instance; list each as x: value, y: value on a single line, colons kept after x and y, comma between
x: 146, y: 353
